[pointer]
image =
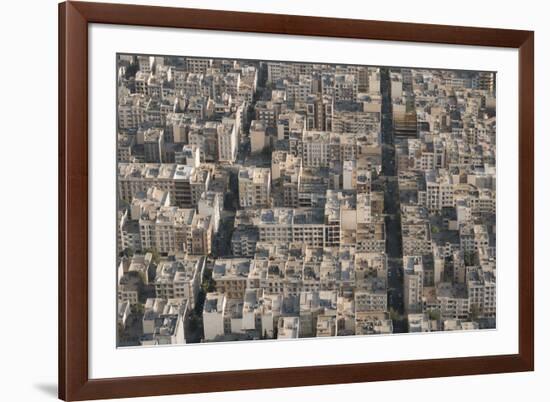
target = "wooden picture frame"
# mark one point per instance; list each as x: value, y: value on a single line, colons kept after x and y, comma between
x: 74, y: 381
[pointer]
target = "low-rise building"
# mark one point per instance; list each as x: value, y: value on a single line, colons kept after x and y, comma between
x: 288, y: 328
x: 213, y: 316
x: 169, y: 324
x: 372, y: 323
x: 230, y: 276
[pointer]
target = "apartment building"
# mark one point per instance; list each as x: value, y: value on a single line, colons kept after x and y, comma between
x: 254, y: 187
x: 230, y: 276
x: 180, y: 277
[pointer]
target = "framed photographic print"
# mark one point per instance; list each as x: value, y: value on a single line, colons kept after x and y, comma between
x: 261, y: 200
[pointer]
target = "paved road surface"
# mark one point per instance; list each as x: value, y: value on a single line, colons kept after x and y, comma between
x: 392, y: 207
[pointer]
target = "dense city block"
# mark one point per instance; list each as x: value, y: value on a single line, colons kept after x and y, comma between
x: 278, y: 200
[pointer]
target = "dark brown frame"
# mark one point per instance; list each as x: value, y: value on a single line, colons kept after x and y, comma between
x: 74, y: 17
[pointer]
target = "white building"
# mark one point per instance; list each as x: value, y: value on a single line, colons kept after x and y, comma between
x: 213, y: 315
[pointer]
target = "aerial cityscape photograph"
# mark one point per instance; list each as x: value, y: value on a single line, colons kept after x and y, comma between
x: 279, y: 200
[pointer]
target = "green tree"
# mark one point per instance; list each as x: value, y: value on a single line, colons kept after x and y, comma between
x: 138, y: 309
x: 434, y: 315
x: 208, y: 283
x: 394, y: 315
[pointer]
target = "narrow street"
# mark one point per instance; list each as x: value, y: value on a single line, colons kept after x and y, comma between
x: 392, y: 209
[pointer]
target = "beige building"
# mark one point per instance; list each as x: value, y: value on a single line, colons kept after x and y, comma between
x: 288, y: 328
x: 230, y: 276
x: 165, y: 229
x: 372, y: 299
x: 326, y: 326
x: 373, y: 323
x: 213, y: 316
x: 259, y: 140
x: 185, y: 184
x: 179, y: 277
x: 413, y: 284
x: 227, y: 141
x: 254, y: 187
x: 199, y: 235
x: 164, y: 322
